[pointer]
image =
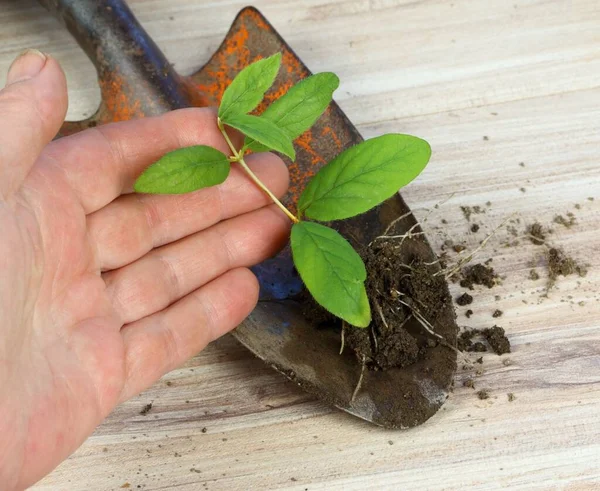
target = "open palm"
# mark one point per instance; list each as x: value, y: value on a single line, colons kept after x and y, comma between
x: 103, y: 291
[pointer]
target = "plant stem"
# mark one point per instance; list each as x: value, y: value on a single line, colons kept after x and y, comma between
x: 239, y: 158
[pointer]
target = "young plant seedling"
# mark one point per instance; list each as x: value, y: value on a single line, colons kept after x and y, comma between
x: 355, y: 181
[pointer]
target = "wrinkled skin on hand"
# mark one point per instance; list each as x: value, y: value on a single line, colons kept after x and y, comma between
x: 103, y: 291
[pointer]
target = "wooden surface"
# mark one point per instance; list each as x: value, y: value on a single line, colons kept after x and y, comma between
x: 524, y: 74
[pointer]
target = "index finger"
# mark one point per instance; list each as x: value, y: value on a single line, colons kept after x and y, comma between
x: 102, y: 163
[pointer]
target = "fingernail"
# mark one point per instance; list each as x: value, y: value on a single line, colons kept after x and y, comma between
x: 27, y: 65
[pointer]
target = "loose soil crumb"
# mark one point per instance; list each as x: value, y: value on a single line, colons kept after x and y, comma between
x: 559, y: 264
x: 474, y: 228
x: 146, y: 409
x: 468, y: 313
x: 511, y: 397
x: 533, y: 275
x: 478, y: 274
x: 483, y: 394
x: 458, y: 248
x: 464, y: 299
x: 469, y: 383
x: 497, y: 339
x: 566, y: 222
x: 497, y: 313
x: 536, y: 234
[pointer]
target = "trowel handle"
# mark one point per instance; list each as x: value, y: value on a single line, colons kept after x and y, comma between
x: 132, y: 70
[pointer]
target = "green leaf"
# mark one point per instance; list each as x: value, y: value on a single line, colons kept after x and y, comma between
x: 184, y: 170
x: 263, y: 131
x: 300, y: 107
x: 248, y: 88
x: 363, y: 176
x: 332, y: 271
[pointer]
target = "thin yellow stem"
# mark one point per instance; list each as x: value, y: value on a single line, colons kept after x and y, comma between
x: 239, y: 158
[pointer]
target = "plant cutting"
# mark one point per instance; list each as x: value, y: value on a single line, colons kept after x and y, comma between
x: 352, y: 183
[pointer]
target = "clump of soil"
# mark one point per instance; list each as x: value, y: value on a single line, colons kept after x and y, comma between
x: 474, y: 228
x: 464, y: 299
x: 536, y: 233
x: 478, y: 274
x: 497, y: 313
x: 494, y: 336
x: 398, y: 293
x: 559, y: 264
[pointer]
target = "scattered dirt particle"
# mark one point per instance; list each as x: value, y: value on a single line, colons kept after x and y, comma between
x: 459, y: 248
x: 497, y: 313
x: 146, y: 409
x: 511, y: 397
x: 483, y: 394
x: 497, y: 339
x: 567, y: 222
x: 474, y: 228
x: 536, y: 234
x: 590, y: 199
x: 533, y: 275
x: 577, y: 206
x: 507, y: 362
x: 469, y: 313
x: 169, y: 383
x: 478, y: 274
x: 197, y: 471
x: 467, y: 212
x: 470, y: 383
x: 444, y: 221
x: 105, y: 449
x: 522, y: 164
x: 486, y: 138
x: 523, y: 190
x: 126, y: 485
x: 464, y: 299
x: 203, y: 430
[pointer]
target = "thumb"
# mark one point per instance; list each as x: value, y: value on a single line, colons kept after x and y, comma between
x: 32, y: 108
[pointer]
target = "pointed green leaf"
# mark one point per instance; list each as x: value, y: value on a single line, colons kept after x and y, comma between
x: 297, y: 110
x: 332, y: 271
x: 184, y: 170
x: 263, y: 131
x: 363, y: 176
x: 248, y: 88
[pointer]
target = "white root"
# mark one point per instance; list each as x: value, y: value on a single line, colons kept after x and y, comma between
x: 360, y: 379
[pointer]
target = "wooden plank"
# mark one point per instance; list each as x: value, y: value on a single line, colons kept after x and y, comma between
x: 523, y: 74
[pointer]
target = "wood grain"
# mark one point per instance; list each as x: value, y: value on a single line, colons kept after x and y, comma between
x: 524, y: 74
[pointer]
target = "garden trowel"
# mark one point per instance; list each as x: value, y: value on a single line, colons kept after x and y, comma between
x: 136, y: 80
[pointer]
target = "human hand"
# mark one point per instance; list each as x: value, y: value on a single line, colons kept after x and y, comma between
x: 103, y: 291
